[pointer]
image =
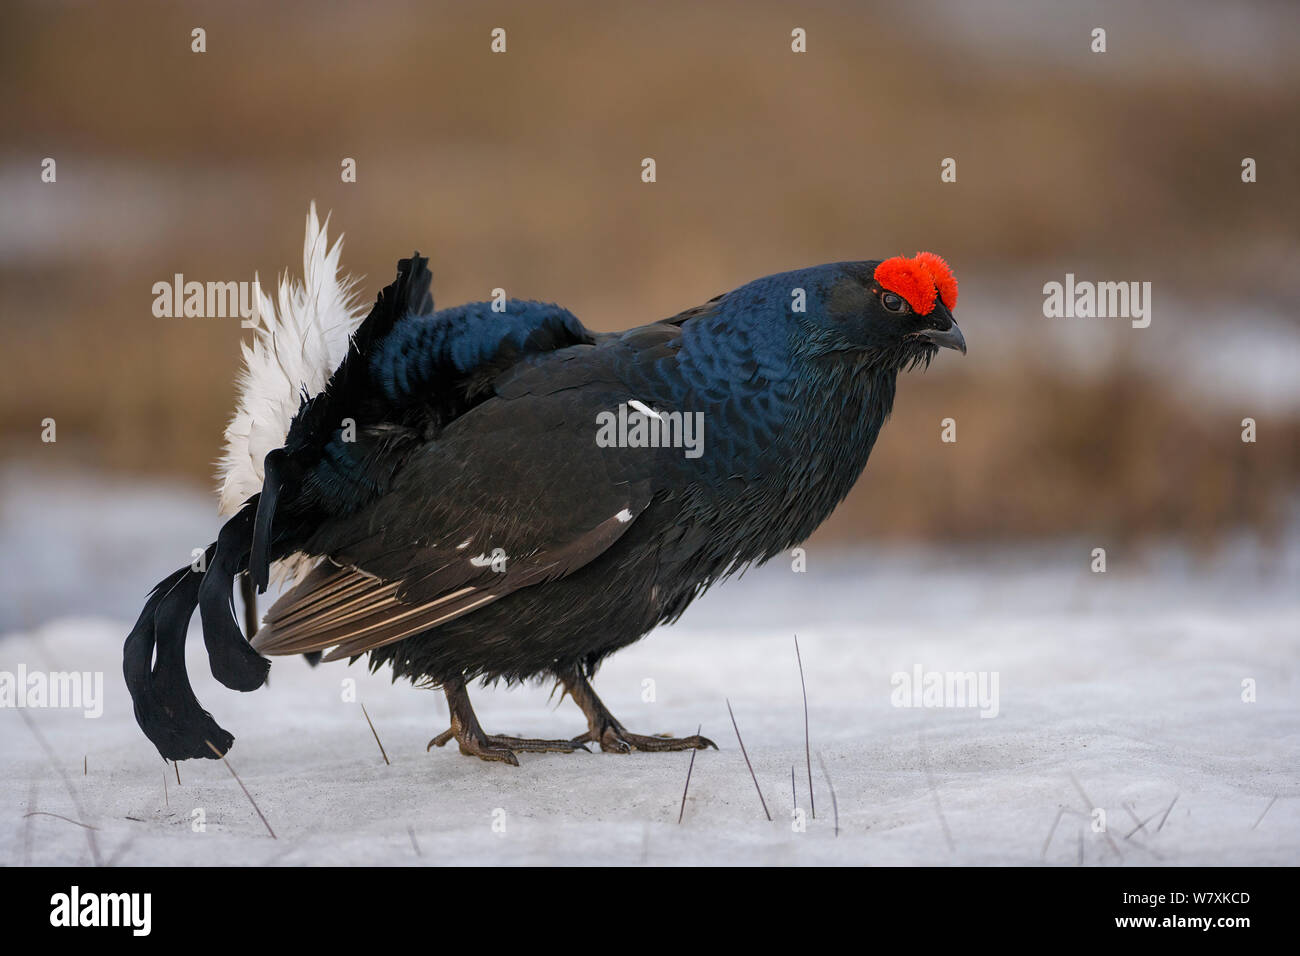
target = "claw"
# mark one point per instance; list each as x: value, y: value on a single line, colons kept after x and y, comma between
x: 441, y: 739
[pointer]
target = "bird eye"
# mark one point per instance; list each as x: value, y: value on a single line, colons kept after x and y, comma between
x: 894, y: 303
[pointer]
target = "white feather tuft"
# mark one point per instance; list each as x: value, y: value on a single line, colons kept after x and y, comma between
x: 295, y: 348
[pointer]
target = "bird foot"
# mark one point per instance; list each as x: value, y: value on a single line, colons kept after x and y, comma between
x: 467, y: 732
x: 502, y: 748
x: 619, y: 740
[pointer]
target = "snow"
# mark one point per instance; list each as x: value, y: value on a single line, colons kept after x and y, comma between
x: 1127, y: 685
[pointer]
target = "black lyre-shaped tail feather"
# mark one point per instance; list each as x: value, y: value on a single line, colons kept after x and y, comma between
x: 231, y: 658
x: 259, y: 559
x: 153, y: 657
x: 164, y: 702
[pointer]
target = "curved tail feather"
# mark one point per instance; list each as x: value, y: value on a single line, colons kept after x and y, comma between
x: 259, y: 561
x: 165, y: 706
x: 231, y: 658
x: 153, y: 657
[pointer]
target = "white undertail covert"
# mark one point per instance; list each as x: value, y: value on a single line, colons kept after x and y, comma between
x: 298, y: 342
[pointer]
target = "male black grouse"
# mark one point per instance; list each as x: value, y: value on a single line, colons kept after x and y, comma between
x: 454, y: 503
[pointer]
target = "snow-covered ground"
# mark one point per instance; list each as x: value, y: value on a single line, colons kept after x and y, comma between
x: 1127, y: 686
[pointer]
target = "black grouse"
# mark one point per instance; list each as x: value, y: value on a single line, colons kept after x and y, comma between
x: 494, y: 492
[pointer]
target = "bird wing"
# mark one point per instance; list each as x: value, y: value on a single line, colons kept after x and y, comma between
x: 354, y: 611
x: 513, y: 493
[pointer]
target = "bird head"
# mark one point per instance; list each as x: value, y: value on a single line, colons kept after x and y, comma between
x: 898, y: 311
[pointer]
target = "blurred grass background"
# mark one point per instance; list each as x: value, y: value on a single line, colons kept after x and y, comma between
x: 523, y: 171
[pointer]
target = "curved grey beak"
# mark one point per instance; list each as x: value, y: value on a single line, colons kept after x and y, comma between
x: 949, y: 338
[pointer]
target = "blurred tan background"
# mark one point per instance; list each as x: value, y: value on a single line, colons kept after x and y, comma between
x: 522, y: 171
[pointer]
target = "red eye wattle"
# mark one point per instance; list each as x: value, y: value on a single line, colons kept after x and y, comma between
x: 944, y: 280
x: 920, y: 280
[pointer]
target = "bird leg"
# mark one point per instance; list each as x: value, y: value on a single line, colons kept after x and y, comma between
x: 474, y: 742
x: 604, y: 729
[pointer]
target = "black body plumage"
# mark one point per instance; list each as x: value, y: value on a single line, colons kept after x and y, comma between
x: 468, y: 522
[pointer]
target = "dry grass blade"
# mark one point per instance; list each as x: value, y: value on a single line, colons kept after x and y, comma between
x: 1140, y: 825
x: 807, y: 740
x: 1166, y: 816
x: 1089, y: 806
x: 835, y: 804
x: 243, y: 788
x: 938, y: 808
x: 382, y: 751
x: 689, y: 768
x: 27, y: 827
x: 67, y: 782
x: 58, y: 816
x: 1261, y: 816
x: 121, y: 851
x: 1057, y: 822
x: 745, y: 754
x: 1052, y: 832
